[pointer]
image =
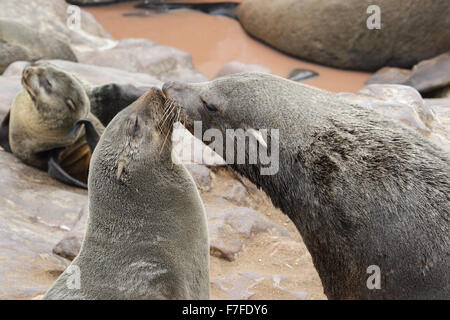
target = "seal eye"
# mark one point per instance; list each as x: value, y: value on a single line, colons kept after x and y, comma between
x: 136, y: 128
x: 209, y: 107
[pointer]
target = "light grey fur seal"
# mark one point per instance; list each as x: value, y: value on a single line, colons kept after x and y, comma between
x: 363, y: 191
x: 146, y: 234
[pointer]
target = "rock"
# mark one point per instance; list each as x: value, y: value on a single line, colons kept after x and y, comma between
x: 441, y: 107
x: 233, y: 67
x: 9, y: 87
x: 336, y: 33
x: 238, y: 195
x: 431, y: 74
x: 389, y: 75
x: 34, y: 215
x: 201, y: 174
x: 93, y: 74
x: 404, y: 104
x: 144, y: 56
x: 248, y: 285
x: 301, y: 74
x: 70, y: 245
x: 93, y: 45
x: 230, y: 226
x: 19, y: 42
x: 401, y: 103
x: 54, y: 18
x: 426, y: 76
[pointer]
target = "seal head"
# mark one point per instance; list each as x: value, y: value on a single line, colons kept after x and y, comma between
x: 146, y: 234
x: 362, y: 190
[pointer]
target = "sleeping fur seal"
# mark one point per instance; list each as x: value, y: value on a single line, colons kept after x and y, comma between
x: 40, y: 124
x: 68, y: 93
x: 363, y: 191
x: 146, y: 234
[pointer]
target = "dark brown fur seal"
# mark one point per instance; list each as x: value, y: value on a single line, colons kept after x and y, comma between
x: 362, y: 190
x: 146, y: 234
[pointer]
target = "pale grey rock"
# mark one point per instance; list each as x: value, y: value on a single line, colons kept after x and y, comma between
x: 389, y: 75
x: 201, y: 174
x: 430, y: 77
x: 70, y: 245
x: 20, y: 42
x: 144, y: 56
x: 95, y: 75
x: 55, y: 19
x: 432, y: 74
x: 244, y: 286
x: 34, y: 215
x: 402, y: 103
x: 405, y: 104
x: 231, y: 226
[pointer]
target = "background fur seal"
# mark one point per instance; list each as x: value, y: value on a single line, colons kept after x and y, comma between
x: 146, y: 236
x: 41, y: 118
x: 109, y: 99
x: 361, y: 190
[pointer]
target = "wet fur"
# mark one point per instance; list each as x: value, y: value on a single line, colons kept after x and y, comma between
x: 361, y: 190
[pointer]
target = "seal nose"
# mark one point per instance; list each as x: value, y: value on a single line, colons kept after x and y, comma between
x: 167, y: 85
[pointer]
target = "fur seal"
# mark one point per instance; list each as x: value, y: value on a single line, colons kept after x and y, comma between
x: 109, y: 99
x: 364, y: 192
x: 146, y: 234
x: 43, y: 124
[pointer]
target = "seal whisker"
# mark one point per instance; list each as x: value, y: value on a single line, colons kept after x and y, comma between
x: 169, y: 116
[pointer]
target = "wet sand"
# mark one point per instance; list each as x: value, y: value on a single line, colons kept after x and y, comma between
x: 213, y: 41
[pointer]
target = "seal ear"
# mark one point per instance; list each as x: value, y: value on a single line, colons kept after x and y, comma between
x: 92, y: 136
x: 56, y: 172
x: 4, y: 133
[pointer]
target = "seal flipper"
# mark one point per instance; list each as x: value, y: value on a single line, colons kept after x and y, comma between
x: 92, y: 136
x: 56, y: 172
x: 4, y: 133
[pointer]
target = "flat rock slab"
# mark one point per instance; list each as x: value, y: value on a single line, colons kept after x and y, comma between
x: 141, y: 55
x: 95, y: 75
x: 431, y: 74
x: 51, y: 17
x: 231, y: 226
x: 405, y: 104
x: 35, y: 212
x: 426, y: 76
x: 398, y: 102
x: 246, y: 285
